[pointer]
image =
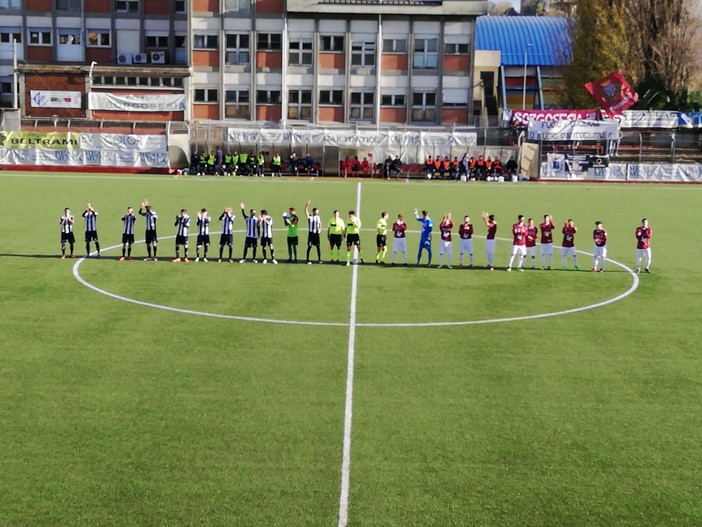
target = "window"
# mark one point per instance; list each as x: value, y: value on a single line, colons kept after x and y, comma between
x: 268, y: 42
x: 205, y: 41
x: 331, y: 43
x: 455, y: 49
x: 300, y: 104
x: 238, y: 49
x: 331, y: 97
x: 207, y: 95
x: 127, y: 6
x: 68, y: 5
x: 362, y: 106
x: 268, y: 97
x: 8, y: 35
x: 425, y: 53
x: 5, y: 87
x: 242, y: 6
x: 39, y: 38
x: 99, y: 38
x: 395, y: 45
x: 10, y: 4
x: 363, y: 54
x: 236, y: 105
x: 392, y: 100
x: 155, y: 41
x: 180, y: 41
x: 424, y: 106
x: 455, y: 98
x: 180, y: 7
x: 69, y: 37
x: 300, y: 52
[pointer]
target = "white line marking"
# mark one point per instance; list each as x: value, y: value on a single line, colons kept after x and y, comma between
x: 628, y: 292
x: 348, y: 407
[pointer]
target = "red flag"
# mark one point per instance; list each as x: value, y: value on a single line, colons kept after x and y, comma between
x: 613, y: 93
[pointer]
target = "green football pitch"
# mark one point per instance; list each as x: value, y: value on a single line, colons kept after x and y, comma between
x: 150, y: 393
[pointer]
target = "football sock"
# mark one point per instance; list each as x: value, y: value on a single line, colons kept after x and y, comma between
x: 383, y: 253
x: 87, y: 248
x: 254, y: 253
x: 63, y: 248
x: 97, y: 247
x: 263, y: 249
x: 207, y: 246
x: 221, y: 251
x: 71, y: 245
x: 124, y: 250
x: 177, y: 249
x: 197, y: 251
x: 319, y: 252
x: 272, y: 254
x: 348, y: 255
x: 246, y: 251
x: 129, y: 250
x: 307, y: 257
x: 185, y: 252
x: 155, y: 249
x: 148, y: 250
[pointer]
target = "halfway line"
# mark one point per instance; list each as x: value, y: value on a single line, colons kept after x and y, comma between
x: 348, y: 407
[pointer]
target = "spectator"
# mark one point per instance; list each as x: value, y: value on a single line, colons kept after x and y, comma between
x: 429, y: 167
x: 365, y: 167
x: 219, y: 161
x: 292, y: 164
x: 511, y: 166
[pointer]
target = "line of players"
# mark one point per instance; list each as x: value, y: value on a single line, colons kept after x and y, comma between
x: 260, y: 227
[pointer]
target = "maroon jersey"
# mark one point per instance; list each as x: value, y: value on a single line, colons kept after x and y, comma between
x: 519, y: 231
x: 445, y: 227
x: 547, y: 232
x: 399, y: 229
x: 600, y: 237
x: 492, y: 230
x: 643, y: 237
x: 569, y: 236
x: 465, y: 231
x: 531, y: 234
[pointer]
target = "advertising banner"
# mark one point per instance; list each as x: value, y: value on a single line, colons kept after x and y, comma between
x: 55, y: 99
x: 647, y: 119
x: 38, y: 140
x: 123, y: 142
x: 573, y: 131
x: 690, y: 119
x: 161, y: 102
x: 521, y: 118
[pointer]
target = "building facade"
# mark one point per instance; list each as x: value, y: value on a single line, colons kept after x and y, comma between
x: 403, y: 62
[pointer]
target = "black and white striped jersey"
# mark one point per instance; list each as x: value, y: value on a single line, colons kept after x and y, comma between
x: 90, y: 220
x: 183, y: 223
x: 203, y: 225
x: 129, y: 220
x: 252, y: 227
x: 67, y: 224
x: 315, y: 224
x: 228, y: 222
x: 267, y: 227
x: 151, y: 217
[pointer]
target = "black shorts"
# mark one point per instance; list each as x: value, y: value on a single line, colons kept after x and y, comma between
x: 91, y: 236
x: 150, y: 237
x: 353, y: 239
x: 127, y: 238
x: 292, y: 240
x: 181, y: 240
x: 266, y: 242
x: 335, y: 240
x: 381, y: 240
x: 251, y: 242
x: 225, y: 239
x: 68, y: 237
x: 313, y: 239
x: 203, y: 239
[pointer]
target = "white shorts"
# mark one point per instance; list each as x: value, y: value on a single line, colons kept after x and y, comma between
x: 599, y: 252
x: 531, y: 251
x: 445, y: 247
x: 546, y: 248
x: 519, y: 249
x: 568, y: 251
x: 467, y: 246
x: 399, y: 245
x: 489, y: 246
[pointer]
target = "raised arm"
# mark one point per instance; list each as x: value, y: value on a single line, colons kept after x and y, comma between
x: 307, y: 208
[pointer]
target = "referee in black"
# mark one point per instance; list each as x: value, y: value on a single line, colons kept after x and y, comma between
x: 314, y: 229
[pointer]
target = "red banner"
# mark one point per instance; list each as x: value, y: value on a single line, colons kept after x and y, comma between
x: 521, y: 118
x: 613, y: 93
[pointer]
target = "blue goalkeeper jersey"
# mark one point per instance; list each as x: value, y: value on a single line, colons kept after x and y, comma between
x: 427, y: 226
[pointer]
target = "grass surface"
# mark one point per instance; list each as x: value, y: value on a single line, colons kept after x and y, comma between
x: 117, y: 414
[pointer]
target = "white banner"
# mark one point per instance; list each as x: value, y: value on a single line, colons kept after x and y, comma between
x: 123, y: 142
x: 646, y: 119
x: 80, y: 157
x: 55, y: 99
x: 519, y: 118
x: 137, y: 103
x: 573, y: 131
x: 664, y: 173
x: 352, y: 138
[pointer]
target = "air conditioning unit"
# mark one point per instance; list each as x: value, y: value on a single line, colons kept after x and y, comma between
x: 158, y: 57
x: 124, y: 58
x: 141, y: 58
